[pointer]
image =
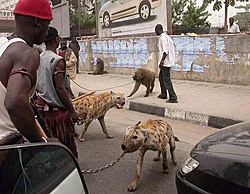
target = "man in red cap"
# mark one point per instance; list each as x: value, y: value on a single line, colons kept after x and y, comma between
x: 18, y: 66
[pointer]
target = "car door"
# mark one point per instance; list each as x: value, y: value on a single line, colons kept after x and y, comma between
x: 123, y: 8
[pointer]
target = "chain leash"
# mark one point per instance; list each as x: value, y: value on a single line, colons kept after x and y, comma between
x: 101, y: 89
x: 104, y: 167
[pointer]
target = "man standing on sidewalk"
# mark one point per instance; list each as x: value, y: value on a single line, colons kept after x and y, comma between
x: 74, y: 45
x: 68, y: 54
x: 166, y: 61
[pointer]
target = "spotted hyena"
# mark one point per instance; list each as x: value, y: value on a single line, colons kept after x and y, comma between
x: 150, y: 135
x: 90, y: 107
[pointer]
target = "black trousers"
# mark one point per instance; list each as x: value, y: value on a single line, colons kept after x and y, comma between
x: 166, y: 83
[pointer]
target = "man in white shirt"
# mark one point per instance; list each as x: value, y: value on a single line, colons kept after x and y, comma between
x: 166, y: 61
x: 233, y: 27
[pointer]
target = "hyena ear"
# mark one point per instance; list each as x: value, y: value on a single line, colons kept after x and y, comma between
x: 112, y: 93
x: 139, y: 122
x: 146, y: 134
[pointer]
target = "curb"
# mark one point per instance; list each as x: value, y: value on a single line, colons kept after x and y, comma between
x: 182, y: 115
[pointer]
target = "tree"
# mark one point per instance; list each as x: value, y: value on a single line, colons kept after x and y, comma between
x: 246, y: 7
x: 187, y: 17
x: 177, y: 11
x: 243, y: 18
x: 82, y: 15
x: 218, y: 5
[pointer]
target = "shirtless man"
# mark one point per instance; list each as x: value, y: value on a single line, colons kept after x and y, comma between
x: 18, y: 65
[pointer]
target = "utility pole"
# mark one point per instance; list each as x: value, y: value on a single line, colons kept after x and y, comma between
x: 225, y: 19
x: 96, y: 21
x: 79, y: 24
x: 169, y: 16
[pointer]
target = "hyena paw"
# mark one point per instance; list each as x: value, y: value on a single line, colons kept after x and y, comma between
x: 81, y: 139
x: 156, y: 158
x: 132, y: 187
x: 166, y: 171
x: 110, y: 136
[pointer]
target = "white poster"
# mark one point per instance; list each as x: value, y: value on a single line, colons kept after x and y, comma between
x: 127, y: 17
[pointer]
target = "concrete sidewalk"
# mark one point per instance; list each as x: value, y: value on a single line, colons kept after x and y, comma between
x: 207, y: 104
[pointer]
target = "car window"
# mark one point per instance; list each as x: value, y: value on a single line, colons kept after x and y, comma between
x: 36, y: 170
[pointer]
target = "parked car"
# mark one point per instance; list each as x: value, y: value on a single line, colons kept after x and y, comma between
x: 39, y: 168
x: 218, y: 164
x: 117, y: 9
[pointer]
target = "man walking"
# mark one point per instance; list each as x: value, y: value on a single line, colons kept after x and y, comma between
x: 18, y: 71
x: 52, y: 100
x: 166, y: 61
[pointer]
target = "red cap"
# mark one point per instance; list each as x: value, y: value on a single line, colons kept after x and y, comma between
x: 34, y: 8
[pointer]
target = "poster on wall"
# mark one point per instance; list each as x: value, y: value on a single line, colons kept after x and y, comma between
x: 129, y: 17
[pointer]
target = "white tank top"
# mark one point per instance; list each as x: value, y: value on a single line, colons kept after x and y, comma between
x: 6, y: 125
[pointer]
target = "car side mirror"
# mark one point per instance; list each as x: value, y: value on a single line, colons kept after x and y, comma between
x: 39, y: 168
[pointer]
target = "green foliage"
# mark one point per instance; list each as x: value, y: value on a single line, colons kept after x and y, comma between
x: 217, y: 4
x: 85, y: 20
x: 82, y: 16
x: 88, y: 20
x: 243, y: 18
x: 187, y: 17
x: 177, y: 11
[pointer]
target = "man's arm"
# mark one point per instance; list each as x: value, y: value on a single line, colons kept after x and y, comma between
x: 164, y: 55
x: 237, y: 29
x: 61, y: 91
x: 17, y: 96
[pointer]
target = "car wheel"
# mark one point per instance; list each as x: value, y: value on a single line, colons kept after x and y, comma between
x: 144, y: 10
x: 106, y: 19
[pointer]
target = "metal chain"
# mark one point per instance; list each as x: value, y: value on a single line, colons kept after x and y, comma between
x: 101, y: 89
x: 104, y: 167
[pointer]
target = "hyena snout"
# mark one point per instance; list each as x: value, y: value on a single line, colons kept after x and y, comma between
x: 123, y: 146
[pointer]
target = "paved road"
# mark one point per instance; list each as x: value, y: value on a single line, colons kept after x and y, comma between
x: 97, y: 151
x: 209, y: 104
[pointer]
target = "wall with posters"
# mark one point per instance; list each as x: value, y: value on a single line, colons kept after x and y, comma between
x: 210, y: 58
x: 118, y: 54
x: 126, y: 17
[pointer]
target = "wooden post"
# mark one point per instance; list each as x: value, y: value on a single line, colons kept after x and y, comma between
x: 225, y: 19
x: 97, y: 19
x: 79, y: 23
x: 169, y: 17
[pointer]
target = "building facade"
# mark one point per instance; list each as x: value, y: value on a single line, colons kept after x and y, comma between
x: 8, y: 4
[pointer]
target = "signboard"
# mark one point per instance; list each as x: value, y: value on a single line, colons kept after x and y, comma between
x: 6, y: 15
x: 127, y: 17
x: 61, y: 19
